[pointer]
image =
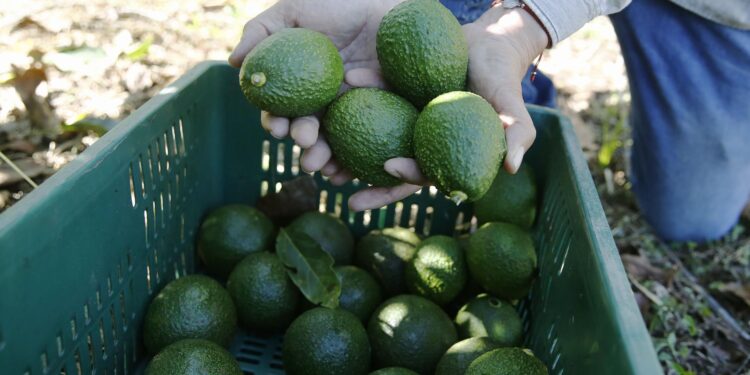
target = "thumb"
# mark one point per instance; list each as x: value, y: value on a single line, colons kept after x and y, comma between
x: 519, y: 129
x: 262, y: 26
x: 405, y: 169
x: 365, y: 77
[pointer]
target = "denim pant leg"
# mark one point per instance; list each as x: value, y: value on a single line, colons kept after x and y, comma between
x: 690, y: 85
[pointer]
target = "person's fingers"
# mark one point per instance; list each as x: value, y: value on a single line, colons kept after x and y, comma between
x: 364, y: 77
x: 519, y: 136
x: 331, y: 168
x: 341, y: 178
x: 376, y: 197
x: 316, y: 156
x: 265, y: 120
x: 257, y: 29
x: 277, y: 126
x: 304, y: 131
x: 406, y: 169
x: 519, y: 129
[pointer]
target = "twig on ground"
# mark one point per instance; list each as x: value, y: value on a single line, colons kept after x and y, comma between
x: 743, y: 366
x: 18, y: 170
x: 651, y: 296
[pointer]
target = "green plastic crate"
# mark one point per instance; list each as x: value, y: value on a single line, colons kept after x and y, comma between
x: 81, y: 256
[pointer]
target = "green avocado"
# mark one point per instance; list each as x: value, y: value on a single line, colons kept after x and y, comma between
x: 325, y: 341
x: 491, y: 317
x: 367, y: 126
x: 193, y: 357
x: 459, y: 356
x: 191, y: 307
x: 511, y: 199
x: 231, y: 232
x: 360, y: 293
x: 333, y: 236
x: 393, y: 371
x: 507, y: 361
x: 438, y: 270
x: 292, y: 73
x: 422, y: 50
x: 411, y: 332
x: 502, y: 259
x: 384, y: 254
x: 459, y: 144
x: 265, y: 296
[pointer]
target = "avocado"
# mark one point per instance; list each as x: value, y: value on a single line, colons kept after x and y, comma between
x: 367, y: 126
x: 422, y: 50
x: 384, y: 254
x: 502, y: 259
x: 411, y: 332
x: 325, y: 341
x: 438, y: 270
x: 459, y: 356
x: 507, y: 361
x: 360, y: 293
x: 193, y: 306
x: 193, y: 357
x: 230, y: 233
x: 265, y: 297
x: 393, y: 371
x: 459, y: 143
x: 510, y: 199
x: 292, y: 73
x: 329, y: 232
x: 491, y: 317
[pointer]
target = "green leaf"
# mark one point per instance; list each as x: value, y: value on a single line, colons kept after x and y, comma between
x: 680, y: 370
x: 309, y: 267
x: 90, y: 124
x: 79, y: 59
x: 689, y: 323
x: 141, y: 50
x: 672, y: 340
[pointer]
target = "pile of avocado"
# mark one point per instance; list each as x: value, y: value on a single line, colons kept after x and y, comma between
x: 455, y: 136
x: 405, y: 304
x: 391, y: 302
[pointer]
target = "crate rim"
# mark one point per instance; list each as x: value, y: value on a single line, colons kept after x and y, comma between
x: 610, y: 269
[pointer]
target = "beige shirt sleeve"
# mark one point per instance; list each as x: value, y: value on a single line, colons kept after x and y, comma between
x: 562, y: 18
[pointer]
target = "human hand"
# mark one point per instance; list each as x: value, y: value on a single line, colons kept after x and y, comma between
x: 352, y: 26
x: 502, y: 44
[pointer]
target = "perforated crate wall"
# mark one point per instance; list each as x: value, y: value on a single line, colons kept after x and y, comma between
x: 81, y: 257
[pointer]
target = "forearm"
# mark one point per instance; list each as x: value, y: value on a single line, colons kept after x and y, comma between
x: 529, y: 36
x: 562, y: 18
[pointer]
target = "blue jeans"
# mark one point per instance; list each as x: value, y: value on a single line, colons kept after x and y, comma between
x: 690, y: 116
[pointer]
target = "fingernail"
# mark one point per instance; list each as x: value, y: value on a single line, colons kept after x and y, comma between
x: 517, y: 157
x: 392, y: 172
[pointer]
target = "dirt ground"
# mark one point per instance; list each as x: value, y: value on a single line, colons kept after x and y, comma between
x: 69, y: 71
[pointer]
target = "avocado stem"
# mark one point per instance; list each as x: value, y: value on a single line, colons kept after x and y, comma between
x: 458, y: 196
x: 258, y: 79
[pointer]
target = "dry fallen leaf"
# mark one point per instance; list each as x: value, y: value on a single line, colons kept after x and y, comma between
x: 40, y: 112
x: 296, y: 197
x: 641, y: 268
x: 20, y: 145
x: 742, y: 291
x: 28, y: 22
